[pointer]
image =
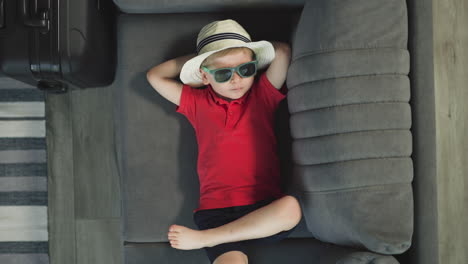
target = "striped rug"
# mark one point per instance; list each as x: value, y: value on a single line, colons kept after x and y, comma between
x: 23, y: 174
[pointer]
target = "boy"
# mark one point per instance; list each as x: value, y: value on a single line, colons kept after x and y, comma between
x: 238, y: 168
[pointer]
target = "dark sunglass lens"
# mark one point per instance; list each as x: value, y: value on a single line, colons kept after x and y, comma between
x: 222, y: 75
x: 247, y: 70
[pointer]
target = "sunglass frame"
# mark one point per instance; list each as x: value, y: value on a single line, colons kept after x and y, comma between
x: 236, y: 69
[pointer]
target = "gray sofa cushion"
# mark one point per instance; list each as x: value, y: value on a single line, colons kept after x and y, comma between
x: 367, y: 257
x: 297, y: 251
x: 183, y: 6
x: 157, y: 148
x: 351, y: 120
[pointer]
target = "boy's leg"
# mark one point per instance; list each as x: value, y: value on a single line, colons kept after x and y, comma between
x: 280, y: 215
x: 232, y: 257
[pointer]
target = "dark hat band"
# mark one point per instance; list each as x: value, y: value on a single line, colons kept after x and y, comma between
x: 220, y: 36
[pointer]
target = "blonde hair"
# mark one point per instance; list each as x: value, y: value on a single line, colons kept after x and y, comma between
x: 208, y: 61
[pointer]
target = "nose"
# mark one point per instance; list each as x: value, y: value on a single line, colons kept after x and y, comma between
x: 235, y: 76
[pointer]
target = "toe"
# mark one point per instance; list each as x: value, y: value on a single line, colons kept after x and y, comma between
x: 174, y: 228
x: 174, y: 244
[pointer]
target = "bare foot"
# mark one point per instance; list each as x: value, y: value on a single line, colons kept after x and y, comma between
x: 182, y: 237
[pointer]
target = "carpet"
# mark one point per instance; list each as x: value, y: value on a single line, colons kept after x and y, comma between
x: 23, y: 174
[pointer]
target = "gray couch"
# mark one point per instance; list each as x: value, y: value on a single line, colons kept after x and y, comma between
x: 157, y: 149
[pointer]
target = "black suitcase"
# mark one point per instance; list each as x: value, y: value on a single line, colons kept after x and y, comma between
x: 54, y: 43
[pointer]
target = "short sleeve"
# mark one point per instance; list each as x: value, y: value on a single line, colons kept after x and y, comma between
x: 187, y: 104
x: 272, y: 95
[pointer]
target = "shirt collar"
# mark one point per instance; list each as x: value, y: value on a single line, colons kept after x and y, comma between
x: 220, y: 100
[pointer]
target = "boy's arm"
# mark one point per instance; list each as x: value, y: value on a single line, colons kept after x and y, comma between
x: 163, y: 78
x: 278, y: 69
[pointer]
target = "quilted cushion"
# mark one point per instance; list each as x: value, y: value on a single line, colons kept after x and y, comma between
x: 350, y: 123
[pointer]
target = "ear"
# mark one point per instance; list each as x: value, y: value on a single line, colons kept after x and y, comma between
x: 204, y: 77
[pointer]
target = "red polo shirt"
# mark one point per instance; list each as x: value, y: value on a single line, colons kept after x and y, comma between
x: 237, y: 149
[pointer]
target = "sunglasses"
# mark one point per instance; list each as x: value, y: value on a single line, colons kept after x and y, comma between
x: 244, y: 70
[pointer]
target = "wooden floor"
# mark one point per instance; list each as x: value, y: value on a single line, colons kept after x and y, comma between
x: 451, y: 93
x: 84, y: 196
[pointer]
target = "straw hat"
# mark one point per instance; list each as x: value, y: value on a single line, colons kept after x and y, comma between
x: 220, y: 35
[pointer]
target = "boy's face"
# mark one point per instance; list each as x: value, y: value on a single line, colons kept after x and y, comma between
x: 237, y: 86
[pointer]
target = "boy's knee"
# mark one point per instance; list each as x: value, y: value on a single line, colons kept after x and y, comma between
x: 232, y: 257
x: 293, y: 210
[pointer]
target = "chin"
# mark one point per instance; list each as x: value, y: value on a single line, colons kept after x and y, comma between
x: 237, y: 95
x: 241, y: 92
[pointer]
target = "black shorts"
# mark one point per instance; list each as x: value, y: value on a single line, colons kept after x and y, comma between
x: 211, y: 218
